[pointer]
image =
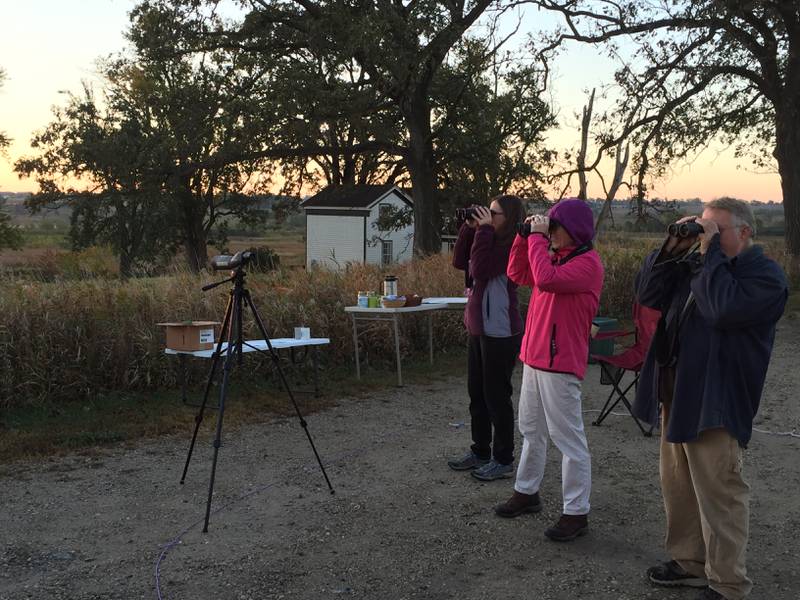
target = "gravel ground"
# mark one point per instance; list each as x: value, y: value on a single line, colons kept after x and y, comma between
x: 401, y: 524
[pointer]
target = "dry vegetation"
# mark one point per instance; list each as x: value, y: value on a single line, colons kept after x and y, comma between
x: 83, y: 359
x: 72, y: 339
x: 87, y: 333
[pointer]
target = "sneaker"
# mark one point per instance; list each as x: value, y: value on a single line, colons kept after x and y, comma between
x: 467, y: 462
x: 671, y: 574
x: 518, y: 504
x: 710, y: 594
x: 568, y: 528
x: 493, y: 470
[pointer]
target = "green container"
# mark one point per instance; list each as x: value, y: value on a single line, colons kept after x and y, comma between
x: 602, y: 347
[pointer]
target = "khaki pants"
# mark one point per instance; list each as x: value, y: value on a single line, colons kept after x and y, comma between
x: 708, y: 508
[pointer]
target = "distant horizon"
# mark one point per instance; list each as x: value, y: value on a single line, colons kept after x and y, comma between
x: 592, y: 199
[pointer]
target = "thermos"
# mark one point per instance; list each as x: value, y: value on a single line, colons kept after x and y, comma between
x: 390, y: 285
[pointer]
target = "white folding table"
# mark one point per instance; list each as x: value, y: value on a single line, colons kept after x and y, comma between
x: 257, y: 346
x: 449, y: 302
x: 359, y: 313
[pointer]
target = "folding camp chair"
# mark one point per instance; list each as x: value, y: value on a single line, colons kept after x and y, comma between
x: 613, y: 367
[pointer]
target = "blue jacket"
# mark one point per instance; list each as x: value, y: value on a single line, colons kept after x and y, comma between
x: 723, y: 344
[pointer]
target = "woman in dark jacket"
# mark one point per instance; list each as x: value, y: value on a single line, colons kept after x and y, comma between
x: 495, y: 328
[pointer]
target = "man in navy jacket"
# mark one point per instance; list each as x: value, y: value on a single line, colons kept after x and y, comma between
x: 706, y: 367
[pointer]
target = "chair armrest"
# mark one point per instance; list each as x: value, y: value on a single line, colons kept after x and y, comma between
x: 605, y: 335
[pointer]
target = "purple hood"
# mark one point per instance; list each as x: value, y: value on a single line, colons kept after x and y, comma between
x: 576, y: 217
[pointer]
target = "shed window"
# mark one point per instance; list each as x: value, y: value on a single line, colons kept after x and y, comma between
x: 387, y: 252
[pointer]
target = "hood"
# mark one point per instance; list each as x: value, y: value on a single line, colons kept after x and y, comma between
x: 576, y: 217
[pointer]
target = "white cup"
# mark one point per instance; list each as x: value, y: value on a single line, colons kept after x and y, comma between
x: 302, y: 333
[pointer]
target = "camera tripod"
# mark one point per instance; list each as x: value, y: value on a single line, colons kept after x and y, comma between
x: 232, y: 325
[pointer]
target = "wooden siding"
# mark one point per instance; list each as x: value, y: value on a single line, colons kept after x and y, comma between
x: 339, y: 236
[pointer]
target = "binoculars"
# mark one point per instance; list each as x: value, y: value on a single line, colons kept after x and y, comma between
x: 465, y: 214
x: 685, y: 230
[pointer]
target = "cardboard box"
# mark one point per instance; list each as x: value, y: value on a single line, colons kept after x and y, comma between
x: 191, y: 335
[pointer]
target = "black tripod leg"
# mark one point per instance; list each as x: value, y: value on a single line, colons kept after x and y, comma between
x: 234, y: 344
x: 218, y: 435
x: 214, y: 362
x: 277, y: 363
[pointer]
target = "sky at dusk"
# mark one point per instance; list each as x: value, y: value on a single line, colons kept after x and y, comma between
x: 50, y: 46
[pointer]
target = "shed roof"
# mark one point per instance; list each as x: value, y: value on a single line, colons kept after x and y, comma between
x: 354, y: 196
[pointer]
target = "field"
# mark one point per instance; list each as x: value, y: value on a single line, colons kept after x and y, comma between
x: 289, y: 244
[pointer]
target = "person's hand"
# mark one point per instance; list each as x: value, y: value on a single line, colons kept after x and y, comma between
x: 539, y: 224
x: 676, y: 245
x: 472, y: 222
x: 710, y: 229
x: 483, y: 216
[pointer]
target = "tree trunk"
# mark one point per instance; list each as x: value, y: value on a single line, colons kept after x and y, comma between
x: 194, y: 235
x: 620, y: 164
x: 125, y: 264
x: 787, y: 151
x: 421, y: 168
x: 585, y: 124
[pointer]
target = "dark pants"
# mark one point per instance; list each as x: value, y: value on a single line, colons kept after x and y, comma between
x: 490, y: 364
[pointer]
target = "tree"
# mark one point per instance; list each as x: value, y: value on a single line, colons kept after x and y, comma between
x: 621, y: 157
x: 699, y: 69
x: 10, y: 236
x: 147, y: 157
x: 488, y: 128
x: 397, y: 49
x: 330, y: 116
x: 4, y: 140
x: 100, y: 164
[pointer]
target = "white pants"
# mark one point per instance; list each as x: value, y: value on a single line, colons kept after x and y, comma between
x: 550, y: 403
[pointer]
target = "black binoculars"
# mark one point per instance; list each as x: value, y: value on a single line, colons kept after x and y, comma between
x: 524, y: 229
x: 685, y: 230
x: 465, y: 214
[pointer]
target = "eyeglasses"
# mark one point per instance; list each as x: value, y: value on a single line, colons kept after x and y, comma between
x: 721, y: 229
x: 496, y: 212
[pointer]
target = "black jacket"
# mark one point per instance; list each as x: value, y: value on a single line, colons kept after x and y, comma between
x: 723, y: 345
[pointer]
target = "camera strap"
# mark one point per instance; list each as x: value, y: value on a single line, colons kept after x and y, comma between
x: 582, y: 249
x: 667, y: 346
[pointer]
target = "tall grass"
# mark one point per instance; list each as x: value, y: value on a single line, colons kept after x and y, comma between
x: 74, y: 339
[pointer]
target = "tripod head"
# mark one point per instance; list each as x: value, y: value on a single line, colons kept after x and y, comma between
x: 235, y: 263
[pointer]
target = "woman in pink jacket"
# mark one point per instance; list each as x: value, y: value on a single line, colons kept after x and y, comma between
x: 566, y: 277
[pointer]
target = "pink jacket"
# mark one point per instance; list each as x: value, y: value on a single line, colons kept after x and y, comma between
x: 564, y: 300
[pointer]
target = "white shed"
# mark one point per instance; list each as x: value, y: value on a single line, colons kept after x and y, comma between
x: 341, y: 226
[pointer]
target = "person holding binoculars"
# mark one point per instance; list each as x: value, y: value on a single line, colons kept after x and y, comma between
x: 494, y: 325
x: 565, y: 274
x: 720, y: 298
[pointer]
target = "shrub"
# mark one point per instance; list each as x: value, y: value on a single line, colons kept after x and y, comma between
x: 264, y: 259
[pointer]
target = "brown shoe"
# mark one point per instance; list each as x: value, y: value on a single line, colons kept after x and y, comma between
x: 568, y: 528
x: 518, y: 504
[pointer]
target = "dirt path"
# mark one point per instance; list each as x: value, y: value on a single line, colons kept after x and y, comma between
x: 401, y: 525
